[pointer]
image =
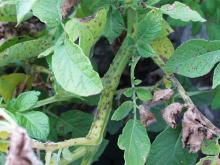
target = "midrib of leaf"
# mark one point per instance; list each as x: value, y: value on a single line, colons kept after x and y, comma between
x: 134, y: 121
x: 69, y: 54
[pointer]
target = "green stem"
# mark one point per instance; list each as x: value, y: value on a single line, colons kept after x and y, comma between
x: 110, y: 83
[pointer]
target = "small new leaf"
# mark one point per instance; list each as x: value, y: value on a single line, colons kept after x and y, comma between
x: 122, y: 111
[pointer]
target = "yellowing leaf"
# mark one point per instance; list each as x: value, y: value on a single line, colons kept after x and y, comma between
x: 9, y: 83
x: 163, y: 47
x: 4, y: 135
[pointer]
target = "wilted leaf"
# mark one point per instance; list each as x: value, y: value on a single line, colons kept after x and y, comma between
x: 122, y: 111
x: 20, y: 152
x: 162, y: 95
x: 181, y: 11
x: 146, y: 116
x: 195, y: 129
x: 135, y: 143
x: 171, y: 112
x: 74, y: 72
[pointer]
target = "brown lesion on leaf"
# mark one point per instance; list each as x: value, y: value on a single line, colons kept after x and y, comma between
x: 162, y: 95
x: 171, y: 113
x: 196, y: 128
x: 146, y: 116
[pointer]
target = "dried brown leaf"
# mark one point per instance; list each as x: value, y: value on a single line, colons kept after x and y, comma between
x: 196, y: 128
x: 20, y: 152
x: 67, y: 6
x: 162, y: 95
x: 171, y: 112
x: 146, y: 117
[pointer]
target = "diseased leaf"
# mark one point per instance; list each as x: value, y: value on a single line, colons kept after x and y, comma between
x: 23, y: 50
x: 216, y: 77
x: 163, y: 47
x: 171, y: 112
x: 162, y: 95
x: 209, y: 160
x: 122, y: 111
x: 74, y: 72
x: 135, y: 143
x: 167, y: 150
x: 181, y: 11
x: 75, y: 122
x: 88, y: 30
x: 36, y: 123
x: 194, y: 58
x: 23, y: 8
x: 146, y: 116
x: 114, y: 25
x: 48, y: 11
x: 9, y: 83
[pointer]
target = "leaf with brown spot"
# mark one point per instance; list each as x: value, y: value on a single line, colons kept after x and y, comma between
x: 146, y: 117
x: 196, y: 128
x: 171, y: 112
x: 162, y: 95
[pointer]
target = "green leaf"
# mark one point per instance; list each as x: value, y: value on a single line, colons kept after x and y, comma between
x: 122, y: 111
x: 25, y: 101
x: 213, y: 30
x: 75, y: 122
x: 152, y: 2
x: 23, y: 8
x: 146, y: 31
x: 48, y: 11
x: 7, y: 12
x: 114, y: 25
x: 36, y: 123
x: 23, y: 50
x: 9, y: 84
x: 181, y: 11
x: 74, y: 72
x: 216, y: 77
x: 210, y: 147
x: 215, y: 102
x: 194, y: 58
x: 87, y: 30
x: 143, y: 94
x: 134, y: 140
x: 167, y: 150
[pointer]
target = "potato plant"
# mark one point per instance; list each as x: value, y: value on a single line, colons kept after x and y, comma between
x: 57, y: 108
